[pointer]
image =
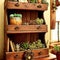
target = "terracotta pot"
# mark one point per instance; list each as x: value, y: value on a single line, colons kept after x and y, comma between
x: 16, y: 21
x: 58, y: 55
x: 39, y: 1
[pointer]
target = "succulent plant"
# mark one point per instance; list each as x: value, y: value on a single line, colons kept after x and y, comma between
x: 34, y: 45
x: 44, y: 2
x: 39, y: 21
x: 15, y: 15
x: 24, y: 45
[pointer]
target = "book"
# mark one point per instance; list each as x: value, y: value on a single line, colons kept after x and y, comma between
x: 8, y: 45
x: 12, y: 47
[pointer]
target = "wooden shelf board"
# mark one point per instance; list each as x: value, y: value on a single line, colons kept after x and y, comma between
x: 10, y: 32
x: 26, y: 28
x: 27, y: 6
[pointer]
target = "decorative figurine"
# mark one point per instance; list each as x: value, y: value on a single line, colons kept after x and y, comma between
x: 28, y: 55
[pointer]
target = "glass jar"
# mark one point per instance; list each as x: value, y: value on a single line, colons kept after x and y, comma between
x: 16, y: 19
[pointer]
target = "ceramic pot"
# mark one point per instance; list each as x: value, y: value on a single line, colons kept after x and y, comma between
x: 39, y: 1
x: 16, y: 21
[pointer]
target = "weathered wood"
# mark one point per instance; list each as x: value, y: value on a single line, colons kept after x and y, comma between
x: 20, y: 55
x: 27, y: 6
x: 52, y: 15
x: 26, y: 28
x: 25, y: 32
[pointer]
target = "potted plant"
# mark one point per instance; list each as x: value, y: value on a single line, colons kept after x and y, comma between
x: 57, y: 51
x: 16, y: 19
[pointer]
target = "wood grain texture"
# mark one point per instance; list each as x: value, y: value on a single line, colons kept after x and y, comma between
x: 26, y: 28
x: 52, y: 15
x: 50, y: 57
x: 24, y: 33
x: 27, y: 6
x: 20, y: 55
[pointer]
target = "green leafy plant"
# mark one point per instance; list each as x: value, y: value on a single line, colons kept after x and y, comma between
x: 57, y: 48
x: 15, y: 15
x: 24, y: 45
x: 44, y: 2
x: 34, y: 45
x: 32, y: 1
x: 39, y: 21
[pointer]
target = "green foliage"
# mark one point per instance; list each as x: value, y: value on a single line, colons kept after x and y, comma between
x: 39, y: 21
x: 44, y: 2
x: 15, y: 15
x: 11, y: 15
x: 39, y: 44
x: 24, y: 45
x: 57, y: 48
x: 34, y: 45
x: 33, y: 1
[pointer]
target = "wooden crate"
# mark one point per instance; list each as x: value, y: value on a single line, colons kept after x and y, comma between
x: 26, y: 6
x: 38, y: 53
x: 26, y: 28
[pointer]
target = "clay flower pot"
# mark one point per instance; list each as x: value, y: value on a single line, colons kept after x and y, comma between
x: 39, y: 1
x: 15, y: 19
x: 58, y: 55
x: 57, y: 51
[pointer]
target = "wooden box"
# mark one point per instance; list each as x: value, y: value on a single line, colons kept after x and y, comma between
x: 38, y: 53
x: 26, y: 28
x: 24, y: 33
x: 26, y: 6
